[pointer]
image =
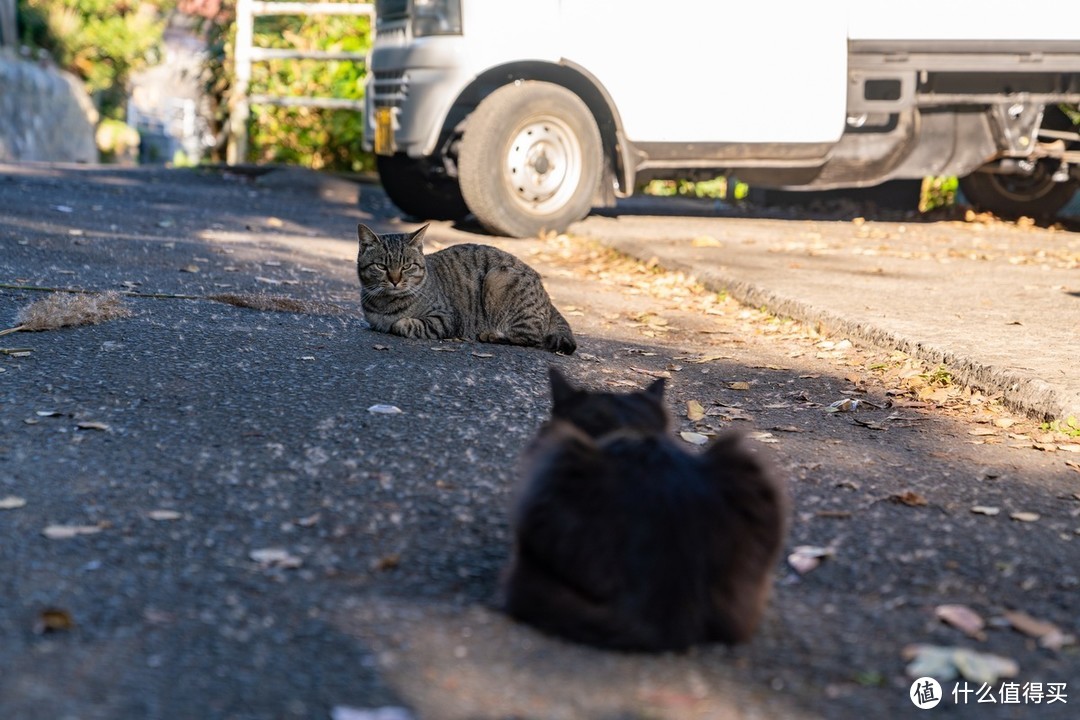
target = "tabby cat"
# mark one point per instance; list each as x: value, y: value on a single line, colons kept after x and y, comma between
x: 474, y: 292
x: 624, y: 540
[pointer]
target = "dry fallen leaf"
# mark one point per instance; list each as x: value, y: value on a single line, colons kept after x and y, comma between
x: 985, y: 510
x: 805, y: 558
x: 64, y: 532
x: 483, y: 355
x: 11, y: 502
x: 386, y: 562
x: 53, y: 620
x: 652, y: 373
x: 739, y: 385
x: 164, y: 515
x: 381, y: 409
x: 706, y: 241
x: 1048, y: 634
x: 694, y: 410
x: 962, y: 618
x: 1025, y: 516
x: 909, y: 498
x: 344, y: 712
x: 91, y: 425
x: 694, y: 438
x: 276, y: 557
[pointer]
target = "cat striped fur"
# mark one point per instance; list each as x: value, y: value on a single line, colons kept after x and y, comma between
x: 472, y: 292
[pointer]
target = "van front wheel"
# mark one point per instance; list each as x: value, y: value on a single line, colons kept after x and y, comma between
x: 530, y: 159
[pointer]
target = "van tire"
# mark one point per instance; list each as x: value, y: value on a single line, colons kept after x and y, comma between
x: 417, y: 191
x: 530, y: 159
x: 1013, y: 196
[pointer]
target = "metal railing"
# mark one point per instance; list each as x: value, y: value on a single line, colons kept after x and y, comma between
x: 247, y: 53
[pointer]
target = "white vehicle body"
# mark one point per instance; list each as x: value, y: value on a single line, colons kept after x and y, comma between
x: 836, y: 93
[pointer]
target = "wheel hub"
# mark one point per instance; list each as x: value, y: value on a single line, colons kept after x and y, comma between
x: 543, y: 164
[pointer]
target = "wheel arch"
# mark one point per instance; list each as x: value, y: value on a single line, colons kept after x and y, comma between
x: 619, y: 170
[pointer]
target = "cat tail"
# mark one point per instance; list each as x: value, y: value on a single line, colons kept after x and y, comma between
x: 559, y: 337
x: 753, y: 510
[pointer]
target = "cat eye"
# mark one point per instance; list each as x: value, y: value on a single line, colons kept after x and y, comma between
x: 379, y: 266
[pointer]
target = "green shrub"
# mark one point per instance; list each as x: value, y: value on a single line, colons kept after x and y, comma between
x: 313, y: 137
x: 101, y: 41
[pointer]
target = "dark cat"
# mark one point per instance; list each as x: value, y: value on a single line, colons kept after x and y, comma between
x: 474, y: 292
x: 624, y: 540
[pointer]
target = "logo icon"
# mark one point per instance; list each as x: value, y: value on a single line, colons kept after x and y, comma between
x: 925, y: 693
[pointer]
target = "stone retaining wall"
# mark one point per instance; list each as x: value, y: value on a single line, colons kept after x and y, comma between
x: 45, y: 114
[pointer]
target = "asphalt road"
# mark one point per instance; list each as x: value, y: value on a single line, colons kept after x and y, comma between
x: 258, y: 544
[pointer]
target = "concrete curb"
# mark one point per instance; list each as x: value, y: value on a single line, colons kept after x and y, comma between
x: 1026, y: 393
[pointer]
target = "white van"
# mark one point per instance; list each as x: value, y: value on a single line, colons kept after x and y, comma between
x: 529, y: 113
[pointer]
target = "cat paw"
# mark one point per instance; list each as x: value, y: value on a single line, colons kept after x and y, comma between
x: 564, y: 344
x: 493, y: 337
x: 409, y: 327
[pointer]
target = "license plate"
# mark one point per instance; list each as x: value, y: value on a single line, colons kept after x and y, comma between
x: 384, y: 131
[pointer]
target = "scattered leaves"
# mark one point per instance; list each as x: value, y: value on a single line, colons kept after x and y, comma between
x: 963, y: 619
x: 947, y: 663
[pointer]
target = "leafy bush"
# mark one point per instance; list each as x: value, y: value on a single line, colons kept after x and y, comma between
x: 314, y: 137
x: 101, y: 41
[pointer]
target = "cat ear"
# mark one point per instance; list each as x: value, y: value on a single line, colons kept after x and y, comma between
x: 417, y: 238
x: 656, y: 389
x: 561, y: 389
x: 366, y: 236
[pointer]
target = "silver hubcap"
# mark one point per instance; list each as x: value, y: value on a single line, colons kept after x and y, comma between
x: 543, y: 165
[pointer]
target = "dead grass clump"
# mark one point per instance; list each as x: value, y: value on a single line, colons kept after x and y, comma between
x: 69, y: 310
x: 278, y: 303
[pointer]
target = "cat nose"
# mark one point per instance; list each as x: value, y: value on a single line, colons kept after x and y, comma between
x: 394, y: 277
